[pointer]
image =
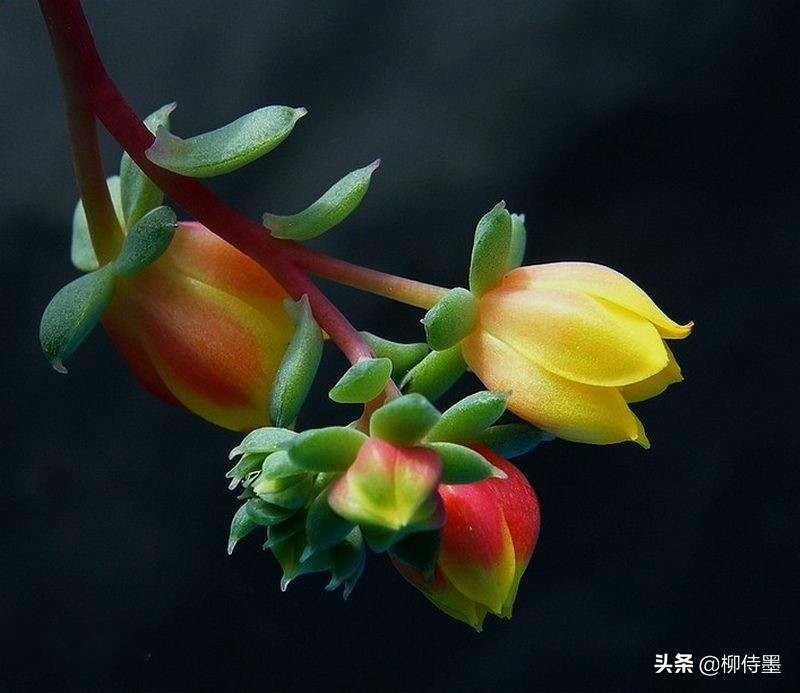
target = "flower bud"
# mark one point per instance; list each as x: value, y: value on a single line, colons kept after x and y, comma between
x: 203, y: 327
x: 487, y: 540
x: 574, y: 343
x: 389, y: 491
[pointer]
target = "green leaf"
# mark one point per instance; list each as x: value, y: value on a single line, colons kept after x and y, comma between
x: 362, y: 382
x: 490, y: 250
x: 516, y: 249
x: 266, y: 514
x: 513, y: 440
x: 279, y: 465
x: 451, y: 319
x: 267, y: 439
x: 347, y: 562
x: 419, y: 550
x: 72, y: 313
x: 241, y: 525
x: 81, y: 251
x: 330, y: 449
x: 462, y: 465
x: 324, y: 527
x: 291, y: 492
x: 436, y: 373
x: 403, y: 356
x: 328, y: 211
x: 404, y: 420
x: 137, y: 192
x: 227, y: 148
x: 146, y: 241
x: 244, y: 468
x: 468, y: 418
x: 298, y: 367
x: 285, y: 529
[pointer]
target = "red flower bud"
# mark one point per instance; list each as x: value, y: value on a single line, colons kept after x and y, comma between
x: 487, y: 540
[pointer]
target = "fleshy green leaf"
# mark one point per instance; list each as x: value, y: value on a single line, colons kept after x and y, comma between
x: 291, y: 492
x: 513, y: 440
x: 241, y: 525
x: 462, y: 465
x: 266, y: 514
x: 490, y: 250
x: 298, y: 367
x: 404, y: 420
x: 227, y: 148
x: 324, y: 527
x: 244, y: 469
x: 72, y: 313
x: 330, y: 449
x: 468, y: 418
x: 451, y: 319
x: 403, y: 356
x: 138, y: 193
x: 362, y: 382
x: 347, y: 562
x: 516, y: 249
x: 146, y: 241
x: 267, y: 439
x: 81, y: 251
x: 279, y: 465
x: 436, y: 373
x: 281, y: 531
x: 328, y: 211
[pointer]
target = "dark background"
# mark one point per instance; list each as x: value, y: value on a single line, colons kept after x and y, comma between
x: 660, y: 138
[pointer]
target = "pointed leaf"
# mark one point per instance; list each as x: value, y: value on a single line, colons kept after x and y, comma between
x: 298, y: 367
x: 324, y: 527
x: 513, y: 440
x: 146, y: 241
x: 404, y: 420
x: 227, y: 148
x: 266, y: 514
x: 328, y: 211
x: 516, y: 249
x: 279, y: 465
x: 362, y: 382
x: 451, y: 319
x: 267, y: 439
x: 347, y: 562
x: 468, y: 418
x: 436, y: 373
x: 330, y: 449
x: 72, y: 313
x: 138, y: 193
x: 403, y: 356
x: 490, y: 250
x: 241, y: 525
x: 462, y: 465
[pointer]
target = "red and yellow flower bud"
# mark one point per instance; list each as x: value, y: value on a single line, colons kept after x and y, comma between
x: 203, y: 327
x: 390, y: 488
x: 489, y: 534
x: 574, y: 343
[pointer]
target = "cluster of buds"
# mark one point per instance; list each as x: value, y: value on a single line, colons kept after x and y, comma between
x: 563, y: 347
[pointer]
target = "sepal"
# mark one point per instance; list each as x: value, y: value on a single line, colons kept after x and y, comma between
x: 329, y: 210
x: 72, y: 314
x: 462, y: 465
x: 513, y: 440
x: 519, y: 238
x: 267, y: 439
x: 324, y: 527
x: 330, y: 449
x: 490, y: 250
x: 435, y: 374
x: 469, y: 417
x: 362, y: 382
x: 451, y: 319
x: 146, y: 241
x: 298, y: 367
x: 404, y: 420
x: 403, y: 356
x: 227, y: 148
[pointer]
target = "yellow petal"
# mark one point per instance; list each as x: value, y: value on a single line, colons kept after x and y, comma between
x: 602, y: 282
x: 570, y: 410
x: 575, y: 335
x: 655, y: 384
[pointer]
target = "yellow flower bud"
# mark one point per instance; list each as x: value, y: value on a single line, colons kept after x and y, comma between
x: 574, y: 343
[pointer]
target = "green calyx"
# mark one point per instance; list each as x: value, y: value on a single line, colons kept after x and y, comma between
x: 363, y: 381
x: 499, y: 246
x: 451, y: 319
x: 333, y: 207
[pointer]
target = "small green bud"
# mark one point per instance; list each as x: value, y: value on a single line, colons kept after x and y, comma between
x: 490, y: 251
x: 404, y: 420
x: 298, y: 367
x: 451, y: 319
x: 328, y: 211
x: 72, y: 314
x: 227, y: 148
x: 330, y: 449
x: 362, y: 382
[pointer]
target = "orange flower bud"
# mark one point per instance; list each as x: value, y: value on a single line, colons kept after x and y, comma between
x: 490, y: 530
x: 203, y: 327
x: 574, y: 343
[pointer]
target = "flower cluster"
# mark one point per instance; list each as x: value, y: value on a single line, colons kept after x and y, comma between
x: 220, y: 316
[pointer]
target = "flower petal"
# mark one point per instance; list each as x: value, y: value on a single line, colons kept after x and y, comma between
x: 570, y: 410
x: 600, y: 281
x: 574, y: 335
x: 654, y: 385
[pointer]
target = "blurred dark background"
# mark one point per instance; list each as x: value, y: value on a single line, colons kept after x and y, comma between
x: 660, y: 138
